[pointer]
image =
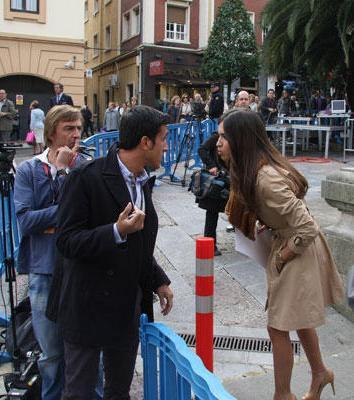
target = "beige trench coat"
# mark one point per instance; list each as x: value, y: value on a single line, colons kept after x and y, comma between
x: 298, y: 295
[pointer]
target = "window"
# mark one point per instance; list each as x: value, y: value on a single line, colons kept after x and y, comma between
x: 129, y: 93
x: 131, y: 23
x: 126, y: 26
x: 31, y: 6
x: 107, y: 38
x: 252, y: 17
x: 136, y: 21
x: 95, y: 45
x: 86, y: 11
x: 96, y: 7
x: 176, y: 25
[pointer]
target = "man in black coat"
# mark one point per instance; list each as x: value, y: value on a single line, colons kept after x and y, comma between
x: 208, y: 154
x: 107, y: 233
x: 60, y: 97
x: 216, y: 104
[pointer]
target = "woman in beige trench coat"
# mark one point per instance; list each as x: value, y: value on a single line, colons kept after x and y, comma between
x: 301, y: 274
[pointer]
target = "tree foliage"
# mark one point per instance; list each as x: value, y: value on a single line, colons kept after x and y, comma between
x: 315, y: 34
x: 232, y: 52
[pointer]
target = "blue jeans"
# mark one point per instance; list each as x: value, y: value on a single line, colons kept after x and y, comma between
x: 47, y: 333
x: 51, y: 361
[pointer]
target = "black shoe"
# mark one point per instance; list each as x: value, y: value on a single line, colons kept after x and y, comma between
x: 217, y: 252
x: 230, y: 228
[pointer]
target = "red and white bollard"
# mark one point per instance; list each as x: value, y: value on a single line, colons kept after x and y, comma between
x: 204, y: 300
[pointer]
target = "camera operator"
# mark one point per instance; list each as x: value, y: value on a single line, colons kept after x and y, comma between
x: 38, y: 184
x: 208, y: 154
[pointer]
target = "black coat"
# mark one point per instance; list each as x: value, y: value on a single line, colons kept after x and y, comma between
x: 208, y: 154
x: 64, y: 99
x: 101, y: 278
x: 216, y: 105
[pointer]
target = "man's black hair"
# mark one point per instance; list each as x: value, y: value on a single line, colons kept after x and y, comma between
x: 138, y: 122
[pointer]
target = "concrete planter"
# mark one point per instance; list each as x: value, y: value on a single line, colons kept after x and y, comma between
x: 338, y: 191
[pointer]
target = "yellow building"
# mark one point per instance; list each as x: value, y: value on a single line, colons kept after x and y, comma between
x: 41, y: 42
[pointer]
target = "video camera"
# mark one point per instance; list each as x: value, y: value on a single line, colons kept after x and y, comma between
x: 7, y: 155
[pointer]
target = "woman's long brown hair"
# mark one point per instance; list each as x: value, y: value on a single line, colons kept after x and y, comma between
x: 250, y: 149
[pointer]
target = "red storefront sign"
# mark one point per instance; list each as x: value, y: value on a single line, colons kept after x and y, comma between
x: 156, y: 68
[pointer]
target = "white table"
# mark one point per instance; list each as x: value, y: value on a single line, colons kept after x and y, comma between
x: 332, y: 117
x: 292, y: 120
x: 280, y: 128
x: 320, y: 129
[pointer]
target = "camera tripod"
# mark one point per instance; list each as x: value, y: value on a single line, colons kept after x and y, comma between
x: 8, y: 259
x: 187, y: 145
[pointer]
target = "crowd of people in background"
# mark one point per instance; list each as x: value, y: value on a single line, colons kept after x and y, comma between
x: 181, y: 108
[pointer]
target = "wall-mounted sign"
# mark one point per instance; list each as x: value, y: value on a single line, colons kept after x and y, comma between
x: 19, y: 100
x: 156, y: 68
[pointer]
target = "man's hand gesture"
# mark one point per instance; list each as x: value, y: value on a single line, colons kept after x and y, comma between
x: 166, y: 298
x: 130, y: 220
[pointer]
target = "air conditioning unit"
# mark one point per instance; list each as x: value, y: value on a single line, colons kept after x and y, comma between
x: 113, y: 80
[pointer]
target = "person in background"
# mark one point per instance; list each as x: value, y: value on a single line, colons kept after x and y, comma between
x: 37, y: 126
x: 133, y: 102
x: 208, y: 154
x: 15, y: 135
x: 318, y: 102
x: 111, y: 118
x: 7, y: 114
x: 253, y: 104
x: 60, y: 97
x: 256, y: 99
x: 174, y: 110
x: 284, y: 104
x: 88, y: 123
x: 186, y: 109
x: 124, y: 109
x: 216, y: 104
x: 198, y: 107
x: 301, y: 274
x: 268, y: 108
x: 242, y: 100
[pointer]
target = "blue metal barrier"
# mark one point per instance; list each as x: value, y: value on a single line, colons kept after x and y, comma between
x: 102, y: 142
x: 181, y: 372
x: 179, y: 144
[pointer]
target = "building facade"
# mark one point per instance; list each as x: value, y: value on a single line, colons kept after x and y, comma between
x: 156, y: 51
x: 41, y: 43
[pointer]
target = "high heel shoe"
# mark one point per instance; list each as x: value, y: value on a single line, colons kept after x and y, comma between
x: 316, y: 394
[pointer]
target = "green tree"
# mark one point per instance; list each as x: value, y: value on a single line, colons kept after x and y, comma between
x: 316, y: 34
x: 232, y: 51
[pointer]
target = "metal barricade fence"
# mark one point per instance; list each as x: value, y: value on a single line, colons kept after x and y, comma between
x: 171, y: 370
x: 199, y: 130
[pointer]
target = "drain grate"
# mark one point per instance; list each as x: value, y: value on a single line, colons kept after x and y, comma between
x: 240, y: 343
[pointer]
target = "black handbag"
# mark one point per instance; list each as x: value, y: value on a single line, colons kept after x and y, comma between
x: 205, y: 185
